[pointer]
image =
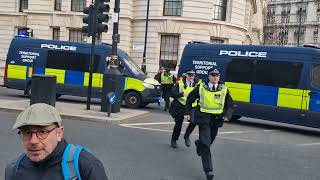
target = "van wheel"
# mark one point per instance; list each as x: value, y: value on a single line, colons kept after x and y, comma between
x: 132, y: 99
x: 235, y: 118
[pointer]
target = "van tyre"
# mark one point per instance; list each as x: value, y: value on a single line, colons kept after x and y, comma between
x: 132, y: 99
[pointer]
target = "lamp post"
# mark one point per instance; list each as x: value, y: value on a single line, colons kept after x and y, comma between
x: 299, y: 26
x: 143, y: 65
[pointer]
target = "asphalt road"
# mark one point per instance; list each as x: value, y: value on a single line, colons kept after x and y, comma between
x: 248, y: 150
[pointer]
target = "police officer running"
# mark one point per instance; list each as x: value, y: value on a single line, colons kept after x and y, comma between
x: 180, y: 92
x: 167, y: 81
x: 215, y: 107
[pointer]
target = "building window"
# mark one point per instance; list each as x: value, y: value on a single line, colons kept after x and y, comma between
x: 219, y: 10
x: 172, y: 7
x: 56, y: 33
x: 78, y: 5
x: 57, y: 5
x: 169, y: 51
x: 216, y: 40
x: 23, y: 5
x: 76, y: 35
x: 318, y: 17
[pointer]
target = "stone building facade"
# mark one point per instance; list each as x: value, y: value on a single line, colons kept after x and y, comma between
x: 172, y: 24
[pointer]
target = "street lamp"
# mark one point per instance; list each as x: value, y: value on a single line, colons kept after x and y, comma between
x: 299, y: 26
x: 143, y: 65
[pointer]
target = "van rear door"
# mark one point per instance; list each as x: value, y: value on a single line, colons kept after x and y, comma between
x: 312, y: 97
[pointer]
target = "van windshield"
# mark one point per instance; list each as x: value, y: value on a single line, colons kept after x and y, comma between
x: 132, y: 65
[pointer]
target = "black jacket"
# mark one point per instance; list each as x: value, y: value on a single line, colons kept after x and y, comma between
x: 201, y: 117
x: 176, y: 107
x: 50, y: 169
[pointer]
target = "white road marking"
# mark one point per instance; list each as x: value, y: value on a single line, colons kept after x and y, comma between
x: 170, y: 131
x: 309, y: 144
x: 145, y: 124
x: 165, y: 123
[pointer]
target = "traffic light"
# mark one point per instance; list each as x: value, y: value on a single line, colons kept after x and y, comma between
x: 101, y: 9
x: 88, y: 29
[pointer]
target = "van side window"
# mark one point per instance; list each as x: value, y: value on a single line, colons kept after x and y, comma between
x: 316, y: 75
x: 268, y: 73
x: 240, y: 71
x: 71, y: 61
x: 278, y: 74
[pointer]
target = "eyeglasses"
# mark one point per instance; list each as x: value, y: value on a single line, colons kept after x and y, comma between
x: 41, y: 134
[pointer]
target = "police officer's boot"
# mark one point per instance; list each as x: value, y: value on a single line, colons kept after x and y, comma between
x: 174, y: 144
x: 209, y: 175
x: 187, y: 141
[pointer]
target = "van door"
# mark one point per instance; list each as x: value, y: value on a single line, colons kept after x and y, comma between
x: 312, y: 97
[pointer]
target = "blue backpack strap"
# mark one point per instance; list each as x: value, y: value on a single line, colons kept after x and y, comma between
x: 21, y: 157
x: 70, y: 161
x: 68, y: 171
x: 76, y: 159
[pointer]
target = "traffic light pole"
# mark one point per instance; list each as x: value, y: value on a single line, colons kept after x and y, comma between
x: 93, y: 52
x: 112, y: 75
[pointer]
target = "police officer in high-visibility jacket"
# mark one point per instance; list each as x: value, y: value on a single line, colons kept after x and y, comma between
x: 180, y: 92
x: 167, y: 81
x: 215, y: 107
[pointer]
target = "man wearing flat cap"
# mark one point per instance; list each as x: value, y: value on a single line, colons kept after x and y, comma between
x: 180, y: 93
x: 47, y: 155
x: 215, y: 107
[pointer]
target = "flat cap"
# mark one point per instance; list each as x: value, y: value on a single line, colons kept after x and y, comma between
x: 213, y: 72
x: 38, y: 114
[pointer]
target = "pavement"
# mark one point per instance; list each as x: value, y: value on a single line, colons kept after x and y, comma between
x: 77, y: 111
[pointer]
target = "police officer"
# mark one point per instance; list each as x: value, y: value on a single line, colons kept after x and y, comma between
x: 215, y: 107
x: 180, y: 92
x: 167, y: 81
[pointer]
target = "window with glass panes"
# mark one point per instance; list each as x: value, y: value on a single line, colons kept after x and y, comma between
x: 172, y: 7
x: 57, y: 5
x: 75, y: 35
x: 216, y: 40
x: 56, y: 33
x: 169, y: 51
x: 219, y: 9
x: 78, y: 5
x: 23, y: 5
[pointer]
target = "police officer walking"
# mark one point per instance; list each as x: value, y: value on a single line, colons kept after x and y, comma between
x: 215, y: 107
x: 180, y: 92
x: 167, y: 81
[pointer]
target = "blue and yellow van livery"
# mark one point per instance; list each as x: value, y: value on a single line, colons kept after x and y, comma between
x: 267, y: 82
x: 69, y: 62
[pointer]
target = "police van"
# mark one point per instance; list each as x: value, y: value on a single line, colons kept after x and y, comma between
x: 69, y: 62
x: 267, y: 82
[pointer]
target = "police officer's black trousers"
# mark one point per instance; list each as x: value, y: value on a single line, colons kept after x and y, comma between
x: 166, y: 97
x: 189, y: 129
x: 177, y: 128
x: 207, y: 134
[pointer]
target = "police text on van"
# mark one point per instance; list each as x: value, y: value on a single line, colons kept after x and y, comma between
x: 243, y: 53
x: 59, y: 47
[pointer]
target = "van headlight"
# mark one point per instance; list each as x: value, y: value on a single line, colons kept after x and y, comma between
x: 149, y: 86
